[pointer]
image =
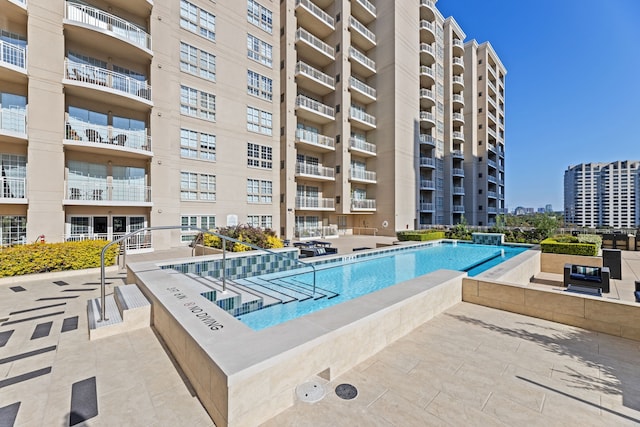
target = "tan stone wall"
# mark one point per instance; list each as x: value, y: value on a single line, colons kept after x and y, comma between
x: 554, y: 263
x: 608, y: 316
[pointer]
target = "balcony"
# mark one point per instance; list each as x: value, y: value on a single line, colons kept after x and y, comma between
x: 310, y: 46
x: 428, y: 118
x: 458, y: 135
x: 458, y: 117
x: 458, y: 83
x: 88, y: 137
x: 363, y: 10
x: 313, y: 110
x: 363, y: 205
x: 314, y: 141
x: 137, y: 242
x: 429, y: 27
x: 492, y: 178
x: 458, y: 44
x: 118, y: 88
x: 365, y: 120
x: 458, y: 64
x: 458, y: 209
x: 361, y: 92
x: 458, y: 191
x: 457, y: 172
x: 13, y: 123
x: 427, y: 98
x: 427, y: 3
x: 427, y: 78
x: 429, y: 162
x: 361, y: 36
x: 85, y: 17
x: 315, y: 19
x: 491, y: 148
x: 427, y: 184
x: 315, y: 204
x: 492, y: 163
x: 361, y: 64
x: 492, y: 88
x: 13, y: 190
x: 315, y: 172
x: 457, y: 154
x: 360, y: 175
x: 13, y: 59
x: 426, y: 207
x: 457, y: 99
x: 102, y: 193
x: 491, y: 132
x: 492, y: 210
x: 363, y: 148
x: 428, y: 54
x: 427, y: 140
x: 492, y: 194
x: 492, y: 102
x: 313, y: 79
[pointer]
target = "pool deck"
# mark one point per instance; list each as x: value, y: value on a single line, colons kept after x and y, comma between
x: 471, y: 365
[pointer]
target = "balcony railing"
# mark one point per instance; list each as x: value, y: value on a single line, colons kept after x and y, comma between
x: 362, y: 29
x: 492, y: 210
x: 458, y: 116
x: 103, y: 191
x: 427, y: 3
x: 360, y: 115
x: 492, y: 101
x: 315, y: 203
x: 425, y: 115
x: 314, y: 138
x: 458, y: 43
x: 76, y: 130
x: 458, y: 208
x: 97, y: 18
x: 458, y: 80
x: 13, y: 119
x: 316, y: 11
x: 362, y: 87
x: 139, y: 241
x: 362, y: 175
x: 367, y: 5
x: 361, y: 145
x: 458, y: 190
x: 427, y: 184
x: 458, y: 98
x: 427, y: 161
x: 106, y: 78
x: 457, y: 171
x: 363, y: 204
x: 427, y: 139
x: 13, y: 188
x: 492, y: 86
x: 457, y: 153
x: 426, y: 206
x: 312, y: 104
x: 426, y: 93
x: 492, y: 194
x: 304, y: 35
x: 458, y: 61
x: 492, y: 163
x: 13, y: 55
x: 426, y: 70
x: 314, y: 170
x: 426, y: 25
x: 305, y: 232
x: 491, y: 132
x: 424, y: 47
x: 362, y: 58
x: 309, y: 71
x: 492, y: 178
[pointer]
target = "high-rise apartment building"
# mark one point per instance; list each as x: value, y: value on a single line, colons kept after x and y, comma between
x: 311, y: 117
x: 602, y: 194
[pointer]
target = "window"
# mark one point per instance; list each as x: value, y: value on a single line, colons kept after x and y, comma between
x: 196, y: 145
x: 259, y: 85
x: 197, y: 103
x: 260, y: 221
x: 195, y: 186
x: 259, y: 156
x: 188, y: 221
x: 197, y: 20
x: 197, y: 62
x: 14, y: 173
x: 13, y: 229
x: 259, y: 121
x: 259, y: 191
x: 259, y: 16
x: 259, y: 51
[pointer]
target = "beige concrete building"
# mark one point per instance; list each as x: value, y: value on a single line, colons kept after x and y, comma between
x: 311, y: 117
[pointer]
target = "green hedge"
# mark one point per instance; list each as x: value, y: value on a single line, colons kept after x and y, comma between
x: 420, y: 235
x: 43, y: 257
x: 552, y: 246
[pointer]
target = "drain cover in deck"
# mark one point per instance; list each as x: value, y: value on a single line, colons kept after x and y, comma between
x: 346, y: 391
x: 310, y: 392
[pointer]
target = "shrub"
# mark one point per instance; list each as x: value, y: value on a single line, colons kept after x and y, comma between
x: 420, y: 235
x: 591, y: 238
x: 551, y: 246
x: 263, y: 238
x: 43, y: 257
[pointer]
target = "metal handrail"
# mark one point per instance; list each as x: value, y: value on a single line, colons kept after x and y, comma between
x: 224, y: 239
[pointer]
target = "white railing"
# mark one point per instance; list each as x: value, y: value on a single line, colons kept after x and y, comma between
x: 314, y: 170
x: 363, y: 204
x: 492, y: 101
x: 492, y: 194
x: 458, y: 98
x: 361, y: 145
x: 426, y: 93
x: 424, y: 115
x: 104, y: 77
x: 314, y: 138
x: 458, y: 61
x: 427, y: 139
x: 424, y: 47
x: 362, y: 58
x: 424, y: 24
x: 362, y: 29
x: 13, y: 188
x: 458, y: 43
x: 457, y: 153
x: 427, y: 184
x: 427, y: 161
x: 309, y: 71
x: 458, y: 116
x: 103, y: 191
x: 304, y: 35
x: 492, y: 178
x: 360, y: 115
x: 492, y: 163
x: 458, y: 80
x: 492, y: 86
x: 89, y: 15
x: 305, y: 232
x: 426, y: 70
x: 76, y: 130
x: 13, y: 55
x: 491, y: 132
x: 492, y: 210
x: 457, y: 171
x: 13, y: 119
x: 491, y: 147
x: 426, y: 206
x: 316, y: 11
x: 367, y: 5
x: 458, y: 190
x: 138, y: 241
x: 427, y: 3
x: 362, y: 175
x: 362, y: 87
x: 312, y: 104
x: 458, y: 208
x: 315, y: 203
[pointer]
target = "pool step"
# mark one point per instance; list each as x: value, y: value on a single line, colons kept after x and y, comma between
x: 261, y: 288
x: 246, y: 300
x: 126, y: 309
x: 290, y: 291
x: 319, y: 294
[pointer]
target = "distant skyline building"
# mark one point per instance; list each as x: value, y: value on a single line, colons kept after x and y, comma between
x: 602, y: 194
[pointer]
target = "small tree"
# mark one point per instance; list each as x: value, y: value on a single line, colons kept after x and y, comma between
x: 546, y: 226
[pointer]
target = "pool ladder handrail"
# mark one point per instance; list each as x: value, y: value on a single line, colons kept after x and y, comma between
x: 186, y: 227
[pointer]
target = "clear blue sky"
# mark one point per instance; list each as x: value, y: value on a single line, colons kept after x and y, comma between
x: 572, y: 85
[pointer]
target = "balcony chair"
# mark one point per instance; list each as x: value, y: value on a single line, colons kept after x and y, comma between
x: 119, y: 140
x: 93, y: 135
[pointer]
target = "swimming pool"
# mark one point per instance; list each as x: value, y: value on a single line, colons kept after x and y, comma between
x: 350, y: 277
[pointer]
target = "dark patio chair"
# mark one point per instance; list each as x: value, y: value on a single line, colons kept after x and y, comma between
x: 93, y: 135
x: 119, y: 140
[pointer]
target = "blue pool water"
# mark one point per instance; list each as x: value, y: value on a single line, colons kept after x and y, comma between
x: 363, y: 275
